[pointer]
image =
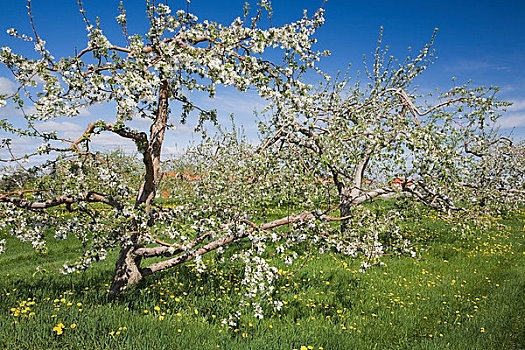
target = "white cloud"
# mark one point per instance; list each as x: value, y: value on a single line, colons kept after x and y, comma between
x: 84, y: 112
x: 19, y: 148
x: 67, y: 130
x: 110, y: 141
x: 514, y: 117
x: 182, y: 129
x: 239, y: 104
x: 517, y: 105
x: 53, y: 125
x: 228, y: 100
x: 170, y: 151
x: 466, y: 65
x: 511, y: 120
x: 6, y: 86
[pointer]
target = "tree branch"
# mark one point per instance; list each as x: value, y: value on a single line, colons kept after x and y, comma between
x: 91, y: 197
x: 191, y: 254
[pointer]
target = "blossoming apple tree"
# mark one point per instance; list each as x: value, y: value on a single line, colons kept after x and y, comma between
x: 179, y: 54
x: 380, y: 138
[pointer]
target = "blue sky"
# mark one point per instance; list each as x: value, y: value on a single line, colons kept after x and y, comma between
x: 479, y: 40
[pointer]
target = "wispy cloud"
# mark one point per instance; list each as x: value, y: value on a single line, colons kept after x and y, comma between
x: 239, y: 104
x: 182, y: 129
x: 468, y: 65
x: 517, y: 105
x: 515, y: 115
x: 65, y: 129
x: 229, y: 100
x: 172, y: 151
x: 512, y: 120
x: 19, y: 148
x: 6, y: 86
x: 110, y: 141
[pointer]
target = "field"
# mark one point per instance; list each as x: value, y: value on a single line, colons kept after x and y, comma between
x: 464, y: 291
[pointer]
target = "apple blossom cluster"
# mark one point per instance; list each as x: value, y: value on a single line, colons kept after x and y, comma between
x: 65, y: 201
x: 130, y: 76
x: 380, y: 138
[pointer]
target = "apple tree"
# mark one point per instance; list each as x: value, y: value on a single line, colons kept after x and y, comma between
x: 144, y: 78
x: 380, y: 137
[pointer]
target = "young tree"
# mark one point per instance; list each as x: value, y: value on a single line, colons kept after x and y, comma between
x: 381, y: 138
x: 496, y: 181
x: 179, y: 54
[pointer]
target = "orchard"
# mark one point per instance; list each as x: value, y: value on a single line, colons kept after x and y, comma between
x: 345, y: 171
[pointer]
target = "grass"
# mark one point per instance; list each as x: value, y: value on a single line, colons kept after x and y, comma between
x: 465, y: 291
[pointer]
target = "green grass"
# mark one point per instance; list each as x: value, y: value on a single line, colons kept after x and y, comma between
x: 465, y: 291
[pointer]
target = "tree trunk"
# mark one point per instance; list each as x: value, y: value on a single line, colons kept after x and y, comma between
x: 127, y: 269
x: 345, y: 207
x: 347, y: 195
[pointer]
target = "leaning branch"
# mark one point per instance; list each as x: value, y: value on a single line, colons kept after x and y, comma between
x: 91, y: 197
x: 189, y: 255
x: 371, y: 195
x: 138, y: 137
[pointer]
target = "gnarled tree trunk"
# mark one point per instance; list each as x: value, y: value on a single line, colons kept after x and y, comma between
x: 127, y: 268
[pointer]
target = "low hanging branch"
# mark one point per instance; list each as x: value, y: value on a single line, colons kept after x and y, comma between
x: 168, y: 249
x: 90, y: 197
x: 188, y: 255
x: 139, y: 137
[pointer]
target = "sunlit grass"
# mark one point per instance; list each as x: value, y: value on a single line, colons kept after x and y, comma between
x: 464, y: 291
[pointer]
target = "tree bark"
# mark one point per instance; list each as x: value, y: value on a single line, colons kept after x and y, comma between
x: 347, y: 196
x: 127, y: 268
x: 151, y: 155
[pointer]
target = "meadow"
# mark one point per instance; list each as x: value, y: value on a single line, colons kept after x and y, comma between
x: 464, y: 290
